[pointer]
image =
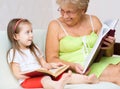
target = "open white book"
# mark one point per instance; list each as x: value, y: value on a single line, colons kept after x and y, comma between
x: 53, y: 72
x: 108, y: 28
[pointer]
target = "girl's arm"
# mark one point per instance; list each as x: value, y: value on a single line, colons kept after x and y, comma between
x: 16, y: 71
x: 44, y: 64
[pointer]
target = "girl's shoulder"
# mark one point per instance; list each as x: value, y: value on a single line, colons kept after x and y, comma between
x: 11, y: 55
x: 10, y: 51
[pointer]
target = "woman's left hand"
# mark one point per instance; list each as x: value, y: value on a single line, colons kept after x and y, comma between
x: 109, y: 46
x: 108, y: 42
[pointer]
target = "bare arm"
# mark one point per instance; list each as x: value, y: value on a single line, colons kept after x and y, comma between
x: 44, y: 64
x: 52, y: 46
x: 16, y: 71
x: 48, y: 66
x: 109, y: 41
x: 52, y: 43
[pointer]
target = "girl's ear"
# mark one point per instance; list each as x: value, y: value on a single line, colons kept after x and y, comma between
x: 15, y: 36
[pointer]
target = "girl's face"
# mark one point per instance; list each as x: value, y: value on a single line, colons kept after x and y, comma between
x: 71, y: 14
x: 25, y: 36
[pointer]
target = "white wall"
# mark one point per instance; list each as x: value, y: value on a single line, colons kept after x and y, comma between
x: 105, y: 10
x: 40, y: 12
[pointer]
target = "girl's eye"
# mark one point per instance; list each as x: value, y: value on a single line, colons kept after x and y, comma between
x: 31, y: 31
x: 27, y: 32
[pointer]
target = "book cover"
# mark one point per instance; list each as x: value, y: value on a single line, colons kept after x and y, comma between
x: 107, y: 29
x: 53, y: 72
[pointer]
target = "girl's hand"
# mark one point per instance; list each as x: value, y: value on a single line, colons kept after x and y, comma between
x: 21, y: 76
x: 47, y: 66
x: 56, y: 65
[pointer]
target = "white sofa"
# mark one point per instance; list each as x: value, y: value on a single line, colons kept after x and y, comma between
x: 7, y: 81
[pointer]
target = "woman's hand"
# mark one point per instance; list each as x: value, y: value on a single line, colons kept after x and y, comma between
x: 109, y: 45
x: 77, y: 68
x: 109, y: 42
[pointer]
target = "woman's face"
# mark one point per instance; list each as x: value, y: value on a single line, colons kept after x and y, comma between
x: 71, y: 14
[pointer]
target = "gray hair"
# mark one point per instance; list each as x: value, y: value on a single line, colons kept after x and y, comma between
x: 81, y: 4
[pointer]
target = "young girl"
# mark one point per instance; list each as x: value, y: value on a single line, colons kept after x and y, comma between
x: 25, y: 56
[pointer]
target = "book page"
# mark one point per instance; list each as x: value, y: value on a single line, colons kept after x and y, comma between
x: 54, y: 72
x: 59, y: 70
x: 111, y: 23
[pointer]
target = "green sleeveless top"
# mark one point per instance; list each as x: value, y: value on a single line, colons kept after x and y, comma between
x: 75, y: 49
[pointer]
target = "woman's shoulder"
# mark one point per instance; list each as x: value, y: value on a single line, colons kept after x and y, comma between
x: 94, y: 18
x: 54, y: 25
x: 96, y: 23
x: 56, y: 22
x: 53, y: 22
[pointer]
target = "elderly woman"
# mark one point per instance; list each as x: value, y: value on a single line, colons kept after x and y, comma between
x: 71, y: 37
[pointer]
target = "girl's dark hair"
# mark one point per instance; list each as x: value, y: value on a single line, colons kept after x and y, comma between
x: 12, y: 29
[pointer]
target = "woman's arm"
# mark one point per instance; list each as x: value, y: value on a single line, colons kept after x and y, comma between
x: 52, y: 47
x: 52, y: 43
x: 109, y: 41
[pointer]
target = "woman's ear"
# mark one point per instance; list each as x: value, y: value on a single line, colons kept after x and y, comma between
x: 83, y: 11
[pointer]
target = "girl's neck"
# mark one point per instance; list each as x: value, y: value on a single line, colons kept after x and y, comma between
x: 24, y: 48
